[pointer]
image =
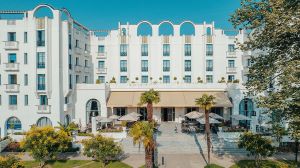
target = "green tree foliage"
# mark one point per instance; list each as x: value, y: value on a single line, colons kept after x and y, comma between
x: 142, y: 132
x: 44, y: 143
x: 206, y: 102
x: 257, y: 146
x: 68, y: 128
x: 10, y: 161
x: 102, y: 149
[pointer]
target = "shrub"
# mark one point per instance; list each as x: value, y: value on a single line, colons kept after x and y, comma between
x: 13, y: 147
x: 213, y: 166
x: 84, y: 134
x: 10, y: 161
x: 102, y: 149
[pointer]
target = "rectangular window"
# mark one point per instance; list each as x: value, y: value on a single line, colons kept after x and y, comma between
x: 166, y: 79
x: 166, y: 65
x: 25, y: 37
x: 230, y: 78
x: 26, y: 100
x: 101, y: 49
x: 11, y: 36
x: 120, y: 111
x: 144, y: 79
x: 25, y: 58
x: 231, y: 47
x: 231, y: 63
x: 70, y: 41
x: 66, y: 100
x: 43, y: 100
x: 85, y: 63
x: 187, y: 79
x: 13, y: 100
x: 166, y: 49
x: 144, y: 65
x: 41, y: 82
x: 209, y: 50
x: 209, y: 65
x: 12, y: 79
x: 70, y: 82
x: 77, y: 43
x: 187, y: 65
x: 249, y: 62
x: 86, y: 79
x: 187, y: 50
x: 40, y: 60
x: 101, y: 64
x: 25, y: 79
x: 123, y: 66
x: 209, y: 79
x: 77, y: 78
x: 123, y: 50
x: 85, y: 47
x: 12, y: 58
x: 40, y: 41
x: 123, y: 79
x: 144, y: 49
x: 101, y: 79
x: 77, y: 61
x: 70, y: 61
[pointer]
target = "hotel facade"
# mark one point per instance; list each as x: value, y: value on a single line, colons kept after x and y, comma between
x: 53, y: 69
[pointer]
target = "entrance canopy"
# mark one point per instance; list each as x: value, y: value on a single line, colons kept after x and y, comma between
x: 167, y: 99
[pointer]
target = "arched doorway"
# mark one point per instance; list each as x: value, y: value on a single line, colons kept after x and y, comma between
x: 92, y: 109
x: 13, y: 124
x: 43, y: 121
x: 246, y: 108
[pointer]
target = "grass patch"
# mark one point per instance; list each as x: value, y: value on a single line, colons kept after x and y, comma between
x: 265, y: 164
x: 73, y: 163
x: 213, y: 166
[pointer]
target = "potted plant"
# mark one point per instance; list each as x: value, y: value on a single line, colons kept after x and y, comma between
x: 175, y: 78
x: 98, y: 81
x: 236, y: 81
x: 113, y: 80
x: 222, y: 80
x: 199, y: 80
x: 136, y: 78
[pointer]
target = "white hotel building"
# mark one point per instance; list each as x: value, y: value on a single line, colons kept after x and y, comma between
x: 53, y: 69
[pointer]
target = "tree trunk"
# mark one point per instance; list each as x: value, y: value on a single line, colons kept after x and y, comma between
x: 148, y: 158
x: 296, y: 150
x: 149, y: 111
x: 207, y: 132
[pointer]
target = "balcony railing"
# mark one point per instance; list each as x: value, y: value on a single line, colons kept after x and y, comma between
x: 11, y: 66
x: 231, y: 69
x: 43, y: 109
x: 101, y: 70
x: 11, y: 45
x: 231, y: 54
x: 12, y: 107
x: 12, y: 87
x: 101, y: 55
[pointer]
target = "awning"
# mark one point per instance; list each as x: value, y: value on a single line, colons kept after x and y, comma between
x: 167, y: 99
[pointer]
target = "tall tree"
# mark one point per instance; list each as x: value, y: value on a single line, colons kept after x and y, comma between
x: 142, y: 132
x: 149, y: 98
x: 206, y: 102
x: 275, y: 40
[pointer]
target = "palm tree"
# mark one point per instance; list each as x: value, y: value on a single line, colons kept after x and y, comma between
x: 206, y: 102
x: 142, y: 132
x: 149, y: 98
x: 67, y: 128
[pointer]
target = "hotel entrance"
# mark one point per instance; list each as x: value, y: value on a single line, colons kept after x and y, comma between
x: 168, y: 114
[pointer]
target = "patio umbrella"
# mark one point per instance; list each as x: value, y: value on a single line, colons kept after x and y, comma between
x: 135, y: 114
x: 114, y: 117
x: 240, y: 117
x: 128, y: 117
x: 216, y: 116
x: 211, y: 121
x: 194, y: 115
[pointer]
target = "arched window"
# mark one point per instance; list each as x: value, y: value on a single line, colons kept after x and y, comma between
x: 208, y: 31
x: 165, y: 28
x: 43, y: 11
x: 246, y: 107
x: 123, y: 32
x: 13, y: 123
x: 187, y: 28
x: 144, y: 29
x: 67, y: 119
x: 43, y: 121
x: 92, y: 109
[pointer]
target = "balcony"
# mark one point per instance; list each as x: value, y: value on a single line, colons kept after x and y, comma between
x: 101, y: 55
x: 12, y: 87
x: 231, y: 54
x: 44, y: 109
x: 11, y: 45
x: 78, y: 50
x: 12, y: 66
x: 78, y: 68
x: 12, y: 107
x: 101, y: 70
x: 231, y: 69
